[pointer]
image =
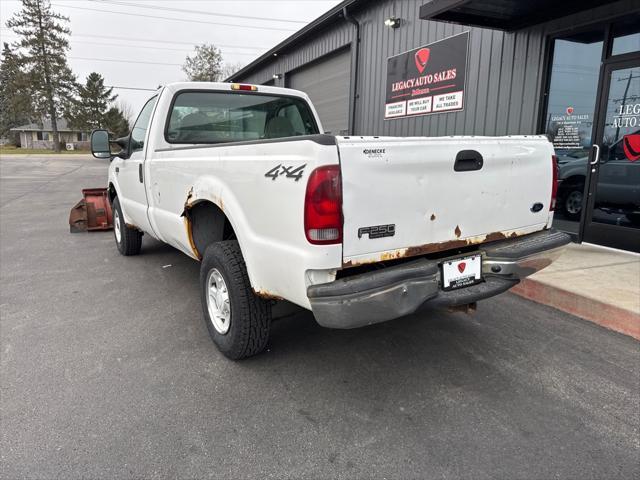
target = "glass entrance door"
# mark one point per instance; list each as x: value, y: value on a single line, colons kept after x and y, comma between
x: 572, y: 101
x: 613, y: 204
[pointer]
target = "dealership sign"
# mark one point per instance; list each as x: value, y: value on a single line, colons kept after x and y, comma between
x: 429, y: 79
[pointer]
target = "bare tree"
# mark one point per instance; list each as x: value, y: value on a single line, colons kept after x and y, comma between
x: 127, y: 111
x: 229, y: 69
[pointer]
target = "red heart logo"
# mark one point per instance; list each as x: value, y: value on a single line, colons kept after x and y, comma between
x: 631, y: 146
x: 422, y: 57
x: 462, y: 266
x: 569, y: 110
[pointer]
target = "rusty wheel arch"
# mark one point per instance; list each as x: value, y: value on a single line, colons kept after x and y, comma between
x: 206, y: 223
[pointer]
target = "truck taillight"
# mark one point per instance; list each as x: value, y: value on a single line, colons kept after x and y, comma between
x: 554, y: 185
x: 323, y: 206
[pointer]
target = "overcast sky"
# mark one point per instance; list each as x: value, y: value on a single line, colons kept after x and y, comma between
x: 132, y: 49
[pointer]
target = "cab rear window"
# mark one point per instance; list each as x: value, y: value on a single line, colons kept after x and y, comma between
x: 219, y: 117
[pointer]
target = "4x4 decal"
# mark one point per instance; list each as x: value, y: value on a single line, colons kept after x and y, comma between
x: 287, y: 171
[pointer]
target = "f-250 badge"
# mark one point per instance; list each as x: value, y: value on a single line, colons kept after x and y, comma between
x: 287, y: 171
x: 378, y: 231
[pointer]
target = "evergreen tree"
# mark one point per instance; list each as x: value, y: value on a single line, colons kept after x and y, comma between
x: 90, y: 108
x: 44, y: 43
x: 15, y: 103
x: 205, y: 65
x: 115, y: 121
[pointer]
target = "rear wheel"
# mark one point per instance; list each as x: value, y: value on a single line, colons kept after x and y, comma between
x: 128, y: 239
x: 237, y: 319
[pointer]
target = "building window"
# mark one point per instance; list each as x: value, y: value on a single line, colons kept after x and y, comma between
x: 43, y: 136
x: 82, y: 137
x: 626, y: 35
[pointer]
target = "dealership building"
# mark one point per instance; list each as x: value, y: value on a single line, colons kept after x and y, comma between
x: 569, y: 69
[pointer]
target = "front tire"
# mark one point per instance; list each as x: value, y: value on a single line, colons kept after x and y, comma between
x: 128, y: 239
x: 237, y: 319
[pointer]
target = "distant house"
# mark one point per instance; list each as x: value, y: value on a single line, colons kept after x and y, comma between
x: 36, y: 135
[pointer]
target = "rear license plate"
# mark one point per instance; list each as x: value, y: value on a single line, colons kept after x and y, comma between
x: 461, y: 272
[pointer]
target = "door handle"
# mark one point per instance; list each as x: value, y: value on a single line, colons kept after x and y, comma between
x: 468, y: 161
x: 596, y: 157
x: 140, y: 173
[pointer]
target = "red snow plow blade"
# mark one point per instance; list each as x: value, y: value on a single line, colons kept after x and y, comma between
x: 93, y: 212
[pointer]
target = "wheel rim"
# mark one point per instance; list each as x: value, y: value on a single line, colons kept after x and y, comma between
x: 218, y: 302
x: 574, y: 202
x: 116, y: 226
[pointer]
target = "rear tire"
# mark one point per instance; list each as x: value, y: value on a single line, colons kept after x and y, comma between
x: 237, y: 319
x: 128, y: 239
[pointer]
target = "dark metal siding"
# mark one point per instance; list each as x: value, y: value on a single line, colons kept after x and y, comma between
x: 327, y: 84
x: 324, y: 43
x: 504, y: 73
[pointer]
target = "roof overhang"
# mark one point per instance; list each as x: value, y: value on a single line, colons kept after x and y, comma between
x: 504, y: 14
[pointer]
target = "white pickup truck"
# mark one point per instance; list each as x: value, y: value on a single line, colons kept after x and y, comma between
x: 358, y: 230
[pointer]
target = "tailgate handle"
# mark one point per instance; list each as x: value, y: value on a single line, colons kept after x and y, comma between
x: 467, y: 161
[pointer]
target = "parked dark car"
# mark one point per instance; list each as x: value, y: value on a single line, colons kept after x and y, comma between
x: 618, y: 188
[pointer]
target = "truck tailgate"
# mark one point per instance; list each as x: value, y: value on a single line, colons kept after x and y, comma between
x: 410, y: 196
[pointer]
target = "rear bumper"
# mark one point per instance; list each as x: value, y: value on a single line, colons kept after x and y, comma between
x: 400, y: 290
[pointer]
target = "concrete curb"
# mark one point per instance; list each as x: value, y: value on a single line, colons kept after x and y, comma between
x: 609, y: 316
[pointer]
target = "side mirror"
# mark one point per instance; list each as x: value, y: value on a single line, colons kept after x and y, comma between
x: 100, y: 144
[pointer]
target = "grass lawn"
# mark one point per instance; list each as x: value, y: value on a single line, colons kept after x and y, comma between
x: 11, y: 150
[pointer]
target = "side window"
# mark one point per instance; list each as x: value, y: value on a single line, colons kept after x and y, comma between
x: 139, y: 130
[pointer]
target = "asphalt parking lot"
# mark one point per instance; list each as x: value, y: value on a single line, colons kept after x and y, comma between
x: 107, y: 371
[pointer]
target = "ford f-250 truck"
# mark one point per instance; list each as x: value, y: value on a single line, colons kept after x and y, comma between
x: 357, y: 229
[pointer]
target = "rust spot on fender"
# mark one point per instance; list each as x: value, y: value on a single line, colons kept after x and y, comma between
x: 266, y: 295
x: 433, y: 217
x: 187, y: 225
x: 457, y: 231
x: 187, y: 203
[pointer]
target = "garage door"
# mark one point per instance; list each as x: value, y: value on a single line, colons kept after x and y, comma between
x: 327, y: 84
